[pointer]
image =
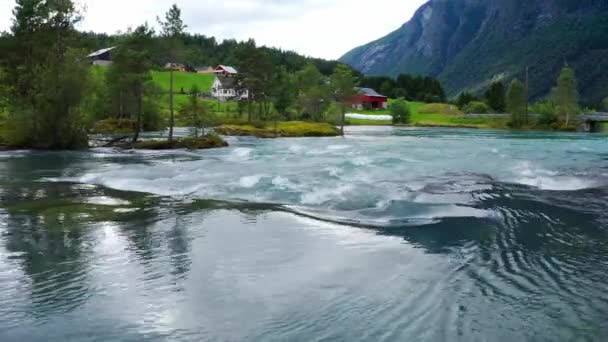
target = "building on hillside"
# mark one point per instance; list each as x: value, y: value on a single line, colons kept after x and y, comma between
x: 227, y: 88
x: 226, y: 71
x: 369, y: 99
x: 175, y: 67
x: 102, y: 57
x: 204, y: 70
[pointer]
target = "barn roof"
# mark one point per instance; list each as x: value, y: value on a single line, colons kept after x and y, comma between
x: 101, y: 52
x: 369, y: 92
x: 228, y: 69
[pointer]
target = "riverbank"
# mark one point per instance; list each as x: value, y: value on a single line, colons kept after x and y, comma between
x: 287, y: 129
x: 433, y: 115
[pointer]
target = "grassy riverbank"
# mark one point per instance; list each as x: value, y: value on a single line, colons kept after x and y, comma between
x: 287, y: 129
x: 434, y: 115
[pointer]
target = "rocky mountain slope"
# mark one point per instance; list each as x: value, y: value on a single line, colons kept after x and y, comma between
x: 469, y: 43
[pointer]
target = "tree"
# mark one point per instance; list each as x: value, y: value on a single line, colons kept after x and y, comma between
x: 566, y: 95
x: 464, y: 98
x: 343, y: 84
x: 605, y: 104
x: 196, y: 114
x: 284, y: 91
x: 130, y: 73
x: 313, y: 93
x: 400, y: 110
x: 255, y: 75
x: 171, y: 29
x: 516, y: 103
x: 173, y: 25
x: 477, y: 107
x: 495, y: 97
x: 47, y: 78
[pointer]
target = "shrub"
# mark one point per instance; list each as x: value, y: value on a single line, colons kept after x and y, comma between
x: 400, y: 111
x: 477, y: 107
x: 548, y: 119
x: 110, y: 126
x: 333, y: 114
x: 547, y: 111
x: 465, y: 98
x: 439, y: 108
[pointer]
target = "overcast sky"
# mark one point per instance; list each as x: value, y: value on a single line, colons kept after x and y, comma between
x: 319, y: 28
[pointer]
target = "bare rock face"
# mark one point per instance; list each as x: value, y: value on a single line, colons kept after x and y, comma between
x: 469, y: 43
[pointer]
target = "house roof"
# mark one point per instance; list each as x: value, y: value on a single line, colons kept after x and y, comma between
x: 369, y: 92
x: 227, y: 69
x: 101, y: 52
x: 203, y: 68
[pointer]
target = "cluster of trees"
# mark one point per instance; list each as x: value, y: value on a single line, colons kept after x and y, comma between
x: 409, y: 87
x: 51, y: 94
x: 492, y: 101
x: 43, y: 76
x: 199, y: 50
x: 555, y: 111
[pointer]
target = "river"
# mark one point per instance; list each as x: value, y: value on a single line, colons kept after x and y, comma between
x: 388, y: 234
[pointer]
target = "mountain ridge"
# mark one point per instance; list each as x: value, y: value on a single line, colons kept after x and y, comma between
x: 467, y: 44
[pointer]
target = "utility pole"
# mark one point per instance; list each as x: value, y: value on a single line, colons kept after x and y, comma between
x: 527, y: 92
x: 172, y: 118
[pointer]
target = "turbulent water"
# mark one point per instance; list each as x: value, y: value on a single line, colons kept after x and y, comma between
x: 384, y: 235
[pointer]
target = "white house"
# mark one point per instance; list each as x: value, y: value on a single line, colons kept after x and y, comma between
x: 227, y: 88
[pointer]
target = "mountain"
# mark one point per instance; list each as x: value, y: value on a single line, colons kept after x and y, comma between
x: 467, y: 44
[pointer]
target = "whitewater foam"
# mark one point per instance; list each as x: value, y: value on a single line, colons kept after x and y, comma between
x: 527, y: 174
x: 250, y: 181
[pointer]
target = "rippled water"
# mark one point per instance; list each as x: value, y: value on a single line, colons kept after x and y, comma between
x: 385, y: 235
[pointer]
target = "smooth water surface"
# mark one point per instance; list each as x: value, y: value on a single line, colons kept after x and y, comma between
x: 388, y: 234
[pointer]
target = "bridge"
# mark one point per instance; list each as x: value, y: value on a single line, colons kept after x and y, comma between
x: 595, y: 122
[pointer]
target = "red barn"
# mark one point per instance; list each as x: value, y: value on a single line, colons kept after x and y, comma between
x: 369, y: 99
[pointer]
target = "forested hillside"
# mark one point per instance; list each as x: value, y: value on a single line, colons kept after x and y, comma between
x: 468, y: 44
x: 200, y: 50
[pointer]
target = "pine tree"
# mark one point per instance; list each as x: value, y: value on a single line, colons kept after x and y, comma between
x: 172, y: 29
x: 566, y: 95
x: 131, y: 72
x: 284, y: 92
x: 255, y: 75
x: 464, y: 99
x: 495, y: 97
x: 516, y: 103
x: 196, y: 114
x: 313, y: 93
x: 343, y: 84
x: 173, y: 26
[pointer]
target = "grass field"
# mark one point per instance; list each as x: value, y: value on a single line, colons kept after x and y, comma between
x: 183, y: 80
x: 434, y: 115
